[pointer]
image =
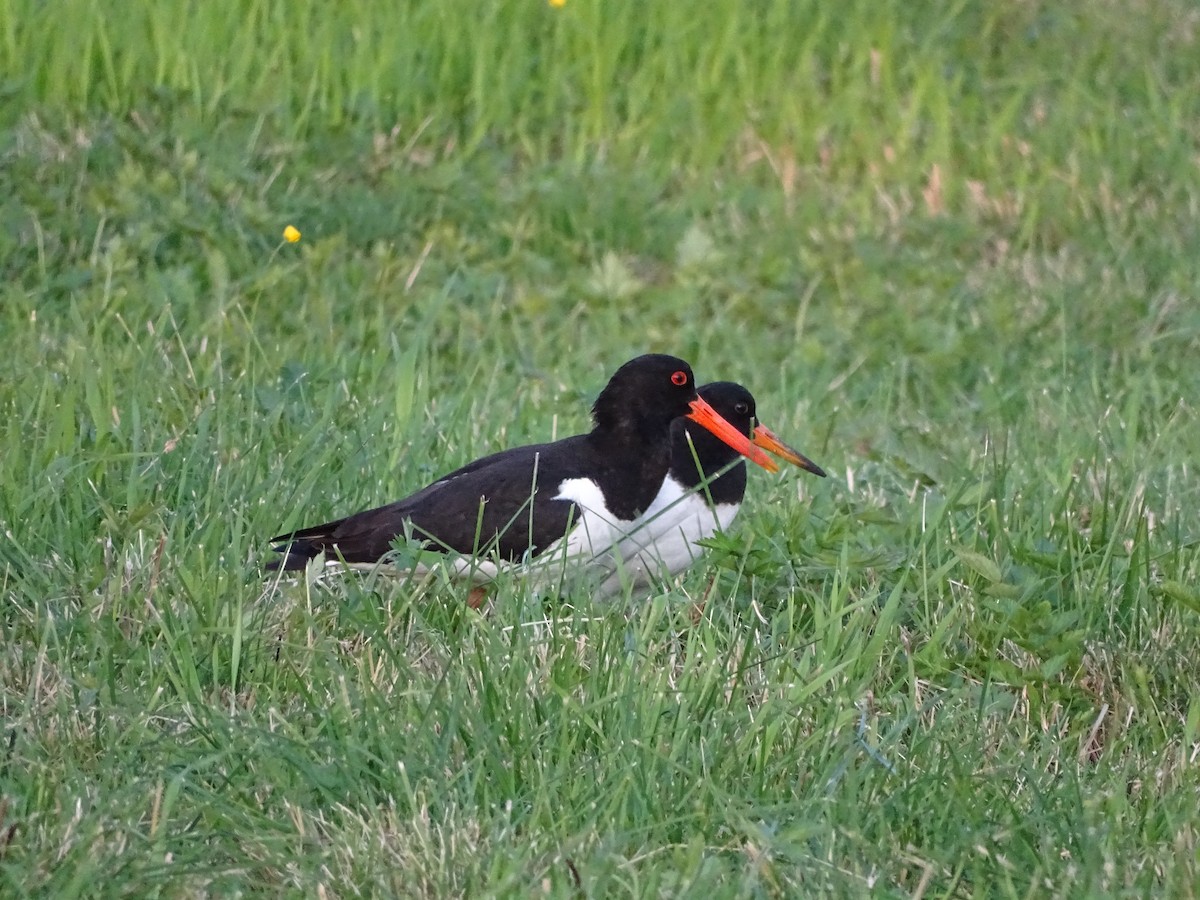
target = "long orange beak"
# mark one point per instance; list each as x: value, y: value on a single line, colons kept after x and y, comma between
x: 703, y: 414
x: 764, y: 437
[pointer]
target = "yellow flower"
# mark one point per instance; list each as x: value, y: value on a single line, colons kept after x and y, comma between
x: 291, y: 234
x: 557, y: 4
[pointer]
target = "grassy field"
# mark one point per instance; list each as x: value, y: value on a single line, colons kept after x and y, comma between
x: 952, y: 248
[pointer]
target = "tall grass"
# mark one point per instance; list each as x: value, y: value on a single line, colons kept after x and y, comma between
x: 863, y: 90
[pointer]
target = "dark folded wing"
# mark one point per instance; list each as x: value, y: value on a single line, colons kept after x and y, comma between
x: 489, y: 506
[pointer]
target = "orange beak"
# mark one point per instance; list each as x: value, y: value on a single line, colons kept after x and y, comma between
x: 704, y: 415
x: 764, y: 437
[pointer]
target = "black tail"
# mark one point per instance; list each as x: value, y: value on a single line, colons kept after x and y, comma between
x: 302, y: 546
x: 296, y: 557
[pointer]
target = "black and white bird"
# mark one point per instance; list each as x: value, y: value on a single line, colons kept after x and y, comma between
x: 572, y: 499
x: 700, y: 495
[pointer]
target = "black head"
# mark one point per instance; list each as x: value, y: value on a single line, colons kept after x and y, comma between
x: 736, y: 405
x: 645, y: 395
x: 733, y: 403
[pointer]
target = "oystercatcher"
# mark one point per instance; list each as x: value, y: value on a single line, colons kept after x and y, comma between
x: 579, y: 495
x: 701, y: 493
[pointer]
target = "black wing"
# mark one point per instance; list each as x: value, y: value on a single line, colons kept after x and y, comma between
x: 488, y: 506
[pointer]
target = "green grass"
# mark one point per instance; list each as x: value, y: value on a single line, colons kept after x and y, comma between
x: 951, y: 249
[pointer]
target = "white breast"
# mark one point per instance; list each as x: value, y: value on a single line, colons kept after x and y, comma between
x: 665, y: 541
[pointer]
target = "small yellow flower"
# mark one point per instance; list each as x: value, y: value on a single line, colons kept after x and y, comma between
x: 291, y: 234
x: 558, y: 4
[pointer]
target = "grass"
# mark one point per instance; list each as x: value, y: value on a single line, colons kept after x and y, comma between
x: 950, y: 249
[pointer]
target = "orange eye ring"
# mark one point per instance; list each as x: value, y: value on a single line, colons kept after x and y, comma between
x: 679, y: 378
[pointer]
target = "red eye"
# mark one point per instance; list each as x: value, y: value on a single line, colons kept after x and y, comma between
x: 679, y: 378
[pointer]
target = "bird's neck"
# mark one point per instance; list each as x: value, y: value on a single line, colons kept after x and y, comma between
x: 634, y: 464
